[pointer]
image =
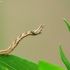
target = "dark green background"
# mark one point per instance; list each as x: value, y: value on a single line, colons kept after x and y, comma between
x: 18, y: 16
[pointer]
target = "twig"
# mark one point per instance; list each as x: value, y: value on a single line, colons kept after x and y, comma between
x: 20, y: 37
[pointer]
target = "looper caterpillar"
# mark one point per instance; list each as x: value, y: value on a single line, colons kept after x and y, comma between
x: 20, y: 37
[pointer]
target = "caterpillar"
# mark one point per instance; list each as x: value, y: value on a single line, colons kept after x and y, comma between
x: 20, y: 37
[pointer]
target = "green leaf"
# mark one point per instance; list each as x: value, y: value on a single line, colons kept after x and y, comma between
x: 48, y: 66
x: 68, y: 25
x: 11, y: 62
x: 64, y: 59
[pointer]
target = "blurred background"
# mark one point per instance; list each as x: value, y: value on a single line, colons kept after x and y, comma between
x: 18, y: 16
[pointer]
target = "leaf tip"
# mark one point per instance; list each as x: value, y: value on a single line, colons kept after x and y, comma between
x: 59, y: 45
x: 67, y: 23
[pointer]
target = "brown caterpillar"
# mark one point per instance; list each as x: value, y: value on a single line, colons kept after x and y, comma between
x: 20, y: 37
